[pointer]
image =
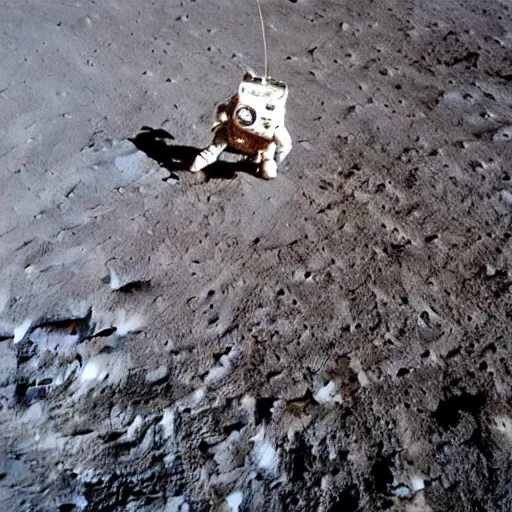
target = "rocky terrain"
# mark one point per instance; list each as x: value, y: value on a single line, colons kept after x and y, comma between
x: 337, y: 339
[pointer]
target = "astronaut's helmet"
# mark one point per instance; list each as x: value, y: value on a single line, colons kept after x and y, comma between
x: 261, y: 103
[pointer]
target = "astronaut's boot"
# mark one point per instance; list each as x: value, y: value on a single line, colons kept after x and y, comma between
x: 208, y: 155
x: 269, y: 169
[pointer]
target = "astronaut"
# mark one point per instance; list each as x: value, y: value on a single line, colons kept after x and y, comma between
x: 252, y: 124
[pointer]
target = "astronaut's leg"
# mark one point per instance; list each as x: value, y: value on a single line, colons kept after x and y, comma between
x: 269, y: 165
x: 283, y: 143
x: 211, y: 153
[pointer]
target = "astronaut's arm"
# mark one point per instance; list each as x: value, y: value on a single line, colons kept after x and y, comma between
x: 283, y: 142
x: 211, y: 153
x: 221, y: 115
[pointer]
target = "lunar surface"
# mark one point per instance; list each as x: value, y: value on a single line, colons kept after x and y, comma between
x: 336, y: 339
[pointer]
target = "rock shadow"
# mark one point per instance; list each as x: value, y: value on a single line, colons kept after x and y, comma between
x: 155, y: 142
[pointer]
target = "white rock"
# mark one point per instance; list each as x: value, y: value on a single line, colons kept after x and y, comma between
x: 234, y: 500
x: 264, y: 454
x: 33, y: 413
x: 21, y: 330
x: 216, y: 373
x: 402, y: 491
x: 506, y: 196
x: 81, y: 502
x: 197, y: 396
x: 504, y: 133
x: 135, y: 427
x: 80, y: 309
x: 453, y: 97
x: 177, y: 504
x: 355, y: 365
x: 115, y: 281
x: 167, y: 423
x: 327, y: 394
x: 125, y: 324
x: 91, y: 371
x: 417, y: 483
x: 363, y: 379
x: 157, y: 375
x: 503, y: 424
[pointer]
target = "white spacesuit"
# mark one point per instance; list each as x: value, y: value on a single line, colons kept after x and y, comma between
x: 251, y: 123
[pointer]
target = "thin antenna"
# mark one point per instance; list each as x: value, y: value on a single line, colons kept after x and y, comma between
x: 264, y: 37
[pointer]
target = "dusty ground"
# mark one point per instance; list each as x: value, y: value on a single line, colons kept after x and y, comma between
x: 335, y: 340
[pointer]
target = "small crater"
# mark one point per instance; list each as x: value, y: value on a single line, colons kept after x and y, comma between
x: 83, y: 431
x: 113, y: 435
x: 382, y: 475
x: 20, y: 391
x: 425, y: 317
x: 264, y: 409
x: 273, y: 374
x: 233, y: 427
x: 203, y: 446
x: 134, y: 286
x: 402, y: 372
x: 213, y: 320
x: 295, y: 500
x: 67, y: 507
x: 347, y: 501
x: 224, y: 352
x: 105, y: 333
x: 490, y: 348
x: 449, y: 411
x: 453, y: 352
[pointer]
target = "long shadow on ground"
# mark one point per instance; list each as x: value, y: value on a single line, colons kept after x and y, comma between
x: 155, y: 143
